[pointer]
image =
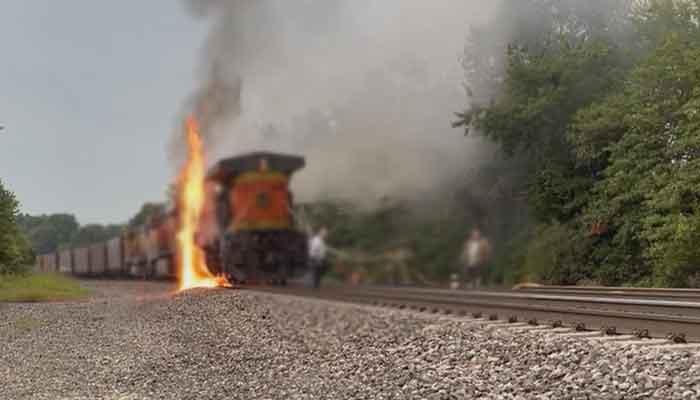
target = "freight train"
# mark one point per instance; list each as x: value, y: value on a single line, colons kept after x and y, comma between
x: 247, y: 230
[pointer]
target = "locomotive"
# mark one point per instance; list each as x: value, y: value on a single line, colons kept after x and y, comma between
x: 247, y: 230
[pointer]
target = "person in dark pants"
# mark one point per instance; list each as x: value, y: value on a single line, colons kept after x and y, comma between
x: 475, y: 256
x: 317, y: 256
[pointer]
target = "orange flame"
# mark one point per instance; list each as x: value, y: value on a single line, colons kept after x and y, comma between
x: 192, y: 266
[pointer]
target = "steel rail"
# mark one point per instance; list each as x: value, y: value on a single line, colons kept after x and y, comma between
x: 646, y: 293
x: 629, y: 315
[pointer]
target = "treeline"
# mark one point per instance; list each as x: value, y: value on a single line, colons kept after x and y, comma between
x: 49, y: 233
x: 603, y: 109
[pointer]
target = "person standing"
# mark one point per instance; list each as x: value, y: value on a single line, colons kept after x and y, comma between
x: 317, y: 256
x: 475, y: 255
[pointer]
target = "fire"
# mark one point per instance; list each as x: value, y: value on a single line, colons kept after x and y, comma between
x: 192, y: 266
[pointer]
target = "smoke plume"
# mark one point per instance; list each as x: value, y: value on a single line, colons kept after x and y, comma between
x: 364, y: 89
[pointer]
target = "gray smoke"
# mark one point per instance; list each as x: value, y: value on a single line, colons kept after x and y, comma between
x: 364, y: 89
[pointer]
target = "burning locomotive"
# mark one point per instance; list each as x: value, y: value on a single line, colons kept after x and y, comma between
x: 247, y: 230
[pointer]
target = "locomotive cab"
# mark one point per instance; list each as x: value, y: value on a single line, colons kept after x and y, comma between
x: 256, y: 239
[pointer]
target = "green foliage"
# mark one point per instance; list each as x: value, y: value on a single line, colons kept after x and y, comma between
x: 650, y: 190
x: 47, y: 232
x: 541, y: 94
x: 648, y: 174
x: 656, y: 19
x: 507, y: 267
x: 611, y: 138
x: 547, y: 253
x: 147, y: 210
x: 15, y: 254
x: 678, y: 257
x: 95, y: 233
x: 535, y: 26
x: 430, y: 232
x: 370, y: 234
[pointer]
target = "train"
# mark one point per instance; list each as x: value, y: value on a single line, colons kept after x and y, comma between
x: 247, y: 231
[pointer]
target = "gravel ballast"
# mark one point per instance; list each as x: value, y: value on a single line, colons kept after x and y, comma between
x: 139, y: 341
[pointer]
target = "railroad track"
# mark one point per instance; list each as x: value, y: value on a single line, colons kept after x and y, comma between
x: 644, y: 313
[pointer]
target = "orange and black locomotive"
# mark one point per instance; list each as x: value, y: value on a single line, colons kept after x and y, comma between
x: 248, y: 231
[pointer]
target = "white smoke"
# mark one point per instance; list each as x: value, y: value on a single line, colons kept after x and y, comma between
x: 364, y: 89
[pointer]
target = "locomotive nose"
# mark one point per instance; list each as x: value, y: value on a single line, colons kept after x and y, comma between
x: 257, y: 234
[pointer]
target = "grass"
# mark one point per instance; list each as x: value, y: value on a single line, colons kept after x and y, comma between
x: 39, y: 287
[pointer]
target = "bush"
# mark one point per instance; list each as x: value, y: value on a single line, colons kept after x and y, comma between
x: 678, y: 257
x: 554, y: 255
x: 507, y: 266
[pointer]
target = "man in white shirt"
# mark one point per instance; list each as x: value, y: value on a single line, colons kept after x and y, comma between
x: 475, y: 255
x: 317, y: 256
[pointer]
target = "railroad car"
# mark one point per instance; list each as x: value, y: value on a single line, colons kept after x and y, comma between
x: 146, y: 251
x: 162, y: 244
x: 149, y: 249
x: 249, y: 233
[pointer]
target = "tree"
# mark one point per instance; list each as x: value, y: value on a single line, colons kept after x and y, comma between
x: 147, y: 210
x: 648, y: 192
x: 14, y: 250
x: 594, y: 102
x: 533, y: 26
x: 95, y: 233
x: 542, y: 92
x: 47, y: 232
x: 50, y: 233
x: 524, y: 86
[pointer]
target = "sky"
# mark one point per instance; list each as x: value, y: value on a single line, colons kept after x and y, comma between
x: 90, y: 93
x: 365, y: 89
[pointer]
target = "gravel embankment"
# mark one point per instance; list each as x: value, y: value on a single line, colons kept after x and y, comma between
x: 136, y: 341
